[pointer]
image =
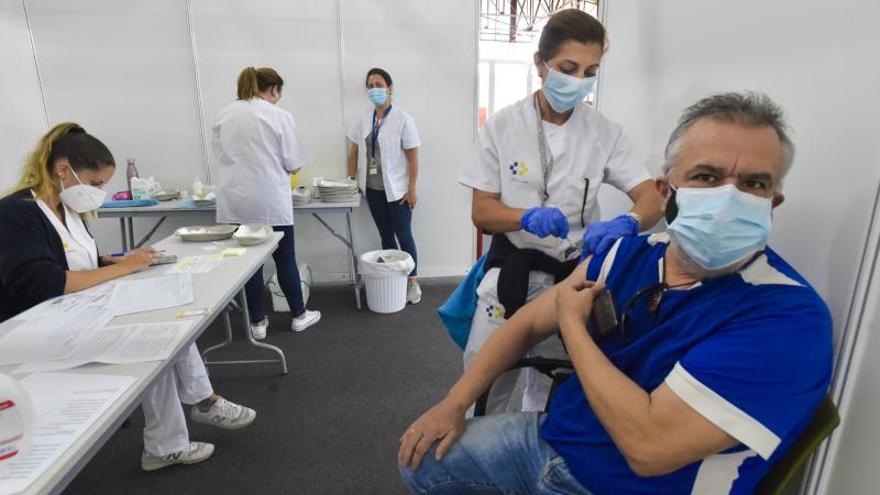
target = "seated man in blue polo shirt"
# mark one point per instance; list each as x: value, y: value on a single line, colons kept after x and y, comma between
x: 725, y: 354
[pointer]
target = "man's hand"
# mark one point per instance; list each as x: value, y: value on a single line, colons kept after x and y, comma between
x: 444, y: 423
x: 574, y: 301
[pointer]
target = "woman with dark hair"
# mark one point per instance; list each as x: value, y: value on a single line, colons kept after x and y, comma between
x: 46, y: 251
x: 257, y: 147
x: 384, y: 156
x: 535, y: 186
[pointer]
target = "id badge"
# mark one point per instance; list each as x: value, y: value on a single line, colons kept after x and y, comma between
x: 373, y: 167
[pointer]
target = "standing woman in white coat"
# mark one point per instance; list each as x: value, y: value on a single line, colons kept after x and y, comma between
x: 542, y: 161
x: 257, y: 148
x: 385, y: 157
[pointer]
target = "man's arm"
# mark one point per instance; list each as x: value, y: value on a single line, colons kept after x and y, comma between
x: 646, y: 204
x: 444, y: 422
x: 657, y: 433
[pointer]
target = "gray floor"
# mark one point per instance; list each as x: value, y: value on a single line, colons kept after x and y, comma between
x: 329, y: 427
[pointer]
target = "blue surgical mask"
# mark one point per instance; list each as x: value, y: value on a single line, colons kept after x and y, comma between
x: 563, y: 91
x: 718, y: 227
x: 378, y: 95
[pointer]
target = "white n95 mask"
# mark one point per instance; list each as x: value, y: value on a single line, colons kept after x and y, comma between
x: 80, y: 197
x: 720, y: 226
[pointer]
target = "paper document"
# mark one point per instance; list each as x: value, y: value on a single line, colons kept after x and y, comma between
x: 147, y: 294
x: 135, y: 343
x: 53, y: 336
x: 65, y: 406
x: 196, y: 264
x: 96, y: 296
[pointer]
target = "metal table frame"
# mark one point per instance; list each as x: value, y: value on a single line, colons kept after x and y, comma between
x: 120, y: 413
x: 126, y: 227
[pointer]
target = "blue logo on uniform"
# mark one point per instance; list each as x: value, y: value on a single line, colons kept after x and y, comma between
x: 518, y: 169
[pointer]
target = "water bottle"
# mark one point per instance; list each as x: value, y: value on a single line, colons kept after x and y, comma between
x: 131, y: 171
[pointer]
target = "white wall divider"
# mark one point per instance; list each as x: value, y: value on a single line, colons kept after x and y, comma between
x: 23, y: 118
x: 836, y: 468
x: 200, y: 100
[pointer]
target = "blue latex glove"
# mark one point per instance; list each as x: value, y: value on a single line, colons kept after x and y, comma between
x: 544, y: 221
x: 600, y: 236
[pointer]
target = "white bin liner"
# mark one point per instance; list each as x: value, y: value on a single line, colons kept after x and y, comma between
x: 385, y: 274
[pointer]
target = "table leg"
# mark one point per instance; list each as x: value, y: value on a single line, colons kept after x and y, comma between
x: 130, y: 222
x: 353, y: 273
x: 122, y: 231
x: 246, y: 317
x: 242, y: 304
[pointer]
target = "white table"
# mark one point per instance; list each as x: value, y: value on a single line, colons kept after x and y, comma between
x: 213, y: 290
x: 180, y: 208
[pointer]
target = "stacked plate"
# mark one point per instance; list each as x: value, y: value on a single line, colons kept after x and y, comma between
x: 302, y: 196
x: 337, y: 191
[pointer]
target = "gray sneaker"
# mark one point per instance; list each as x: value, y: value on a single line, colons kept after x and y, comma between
x: 224, y: 414
x: 194, y: 453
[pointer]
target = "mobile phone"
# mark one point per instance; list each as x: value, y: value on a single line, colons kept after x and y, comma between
x: 603, y: 318
x: 171, y: 258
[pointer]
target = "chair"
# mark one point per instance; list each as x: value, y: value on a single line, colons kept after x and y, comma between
x: 781, y: 477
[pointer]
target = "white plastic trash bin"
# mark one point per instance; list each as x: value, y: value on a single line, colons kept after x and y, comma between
x: 385, y: 274
x: 279, y: 302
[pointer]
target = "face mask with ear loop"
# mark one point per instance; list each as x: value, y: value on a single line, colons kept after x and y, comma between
x: 718, y: 226
x: 81, y: 198
x: 564, y: 92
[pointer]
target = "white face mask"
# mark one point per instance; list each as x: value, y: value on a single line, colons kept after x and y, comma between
x: 80, y: 197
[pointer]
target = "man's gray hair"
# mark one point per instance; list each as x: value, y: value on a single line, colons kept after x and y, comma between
x: 748, y: 108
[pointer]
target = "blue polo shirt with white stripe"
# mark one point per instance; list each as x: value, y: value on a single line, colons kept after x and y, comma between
x: 750, y: 351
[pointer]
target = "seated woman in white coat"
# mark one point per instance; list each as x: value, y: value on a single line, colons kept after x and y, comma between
x: 257, y: 148
x: 385, y: 157
x: 46, y: 250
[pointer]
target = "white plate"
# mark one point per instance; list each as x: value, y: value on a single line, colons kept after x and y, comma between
x: 203, y: 233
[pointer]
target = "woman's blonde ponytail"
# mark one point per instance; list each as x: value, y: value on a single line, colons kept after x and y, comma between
x: 35, y: 174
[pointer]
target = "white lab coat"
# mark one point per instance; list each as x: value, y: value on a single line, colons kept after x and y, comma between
x: 586, y: 146
x: 256, y: 146
x: 398, y: 133
x: 186, y: 381
x: 80, y: 249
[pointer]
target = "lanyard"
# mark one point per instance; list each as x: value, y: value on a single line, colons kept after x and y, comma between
x: 546, y: 156
x: 374, y: 134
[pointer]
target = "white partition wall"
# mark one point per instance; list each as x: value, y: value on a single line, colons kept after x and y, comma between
x: 429, y: 48
x: 21, y: 118
x: 819, y: 60
x: 298, y: 39
x: 123, y: 71
x: 149, y: 78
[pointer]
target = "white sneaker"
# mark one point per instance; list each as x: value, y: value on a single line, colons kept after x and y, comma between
x: 194, y: 453
x: 413, y: 292
x: 258, y: 329
x: 305, y: 320
x: 224, y: 414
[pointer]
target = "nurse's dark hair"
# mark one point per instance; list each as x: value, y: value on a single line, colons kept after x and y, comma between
x: 748, y: 108
x: 570, y: 25
x: 67, y: 141
x: 253, y: 80
x: 375, y: 71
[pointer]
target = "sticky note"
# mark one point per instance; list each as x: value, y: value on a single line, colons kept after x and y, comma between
x: 230, y: 252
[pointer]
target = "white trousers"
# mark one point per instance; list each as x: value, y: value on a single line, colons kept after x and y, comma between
x: 489, y: 316
x: 185, y: 381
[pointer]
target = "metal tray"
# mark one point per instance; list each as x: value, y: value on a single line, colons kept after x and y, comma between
x: 202, y: 233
